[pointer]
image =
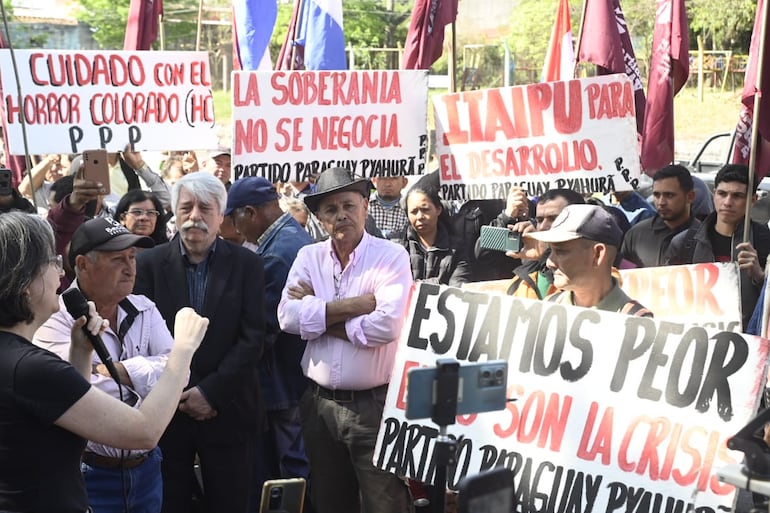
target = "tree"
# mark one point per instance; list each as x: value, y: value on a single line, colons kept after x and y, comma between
x: 723, y: 24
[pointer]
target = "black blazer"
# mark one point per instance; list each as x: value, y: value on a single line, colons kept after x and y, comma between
x: 225, y: 365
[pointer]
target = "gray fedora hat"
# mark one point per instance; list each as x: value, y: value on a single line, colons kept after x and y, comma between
x: 334, y: 180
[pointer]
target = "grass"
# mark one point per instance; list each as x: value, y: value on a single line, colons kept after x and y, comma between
x: 694, y: 119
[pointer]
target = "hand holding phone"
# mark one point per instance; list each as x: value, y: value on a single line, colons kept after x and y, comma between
x: 500, y: 239
x: 96, y: 168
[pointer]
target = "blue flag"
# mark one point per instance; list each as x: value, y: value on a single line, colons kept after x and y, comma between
x: 321, y: 35
x: 254, y: 21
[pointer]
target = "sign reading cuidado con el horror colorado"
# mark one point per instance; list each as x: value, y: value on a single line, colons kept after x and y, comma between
x: 76, y: 100
x: 577, y: 134
x: 289, y: 125
x: 612, y: 413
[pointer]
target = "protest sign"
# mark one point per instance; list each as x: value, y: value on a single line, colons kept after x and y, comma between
x: 705, y: 294
x: 76, y: 100
x: 612, y: 412
x: 577, y: 134
x: 290, y: 125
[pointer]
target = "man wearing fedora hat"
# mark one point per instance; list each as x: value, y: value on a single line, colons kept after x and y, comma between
x: 346, y: 297
x: 103, y: 254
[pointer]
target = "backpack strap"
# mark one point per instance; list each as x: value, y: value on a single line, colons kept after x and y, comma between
x: 553, y: 298
x: 131, y: 314
x: 635, y: 308
x: 688, y: 250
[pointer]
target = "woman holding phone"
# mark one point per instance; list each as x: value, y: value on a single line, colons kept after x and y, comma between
x: 47, y: 406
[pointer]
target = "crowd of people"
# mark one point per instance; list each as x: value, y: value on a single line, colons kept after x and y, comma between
x: 253, y: 326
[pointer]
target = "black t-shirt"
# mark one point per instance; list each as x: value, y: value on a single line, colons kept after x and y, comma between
x: 39, y: 461
x: 722, y: 246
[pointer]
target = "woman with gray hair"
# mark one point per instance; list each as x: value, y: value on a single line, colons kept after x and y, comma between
x: 47, y: 406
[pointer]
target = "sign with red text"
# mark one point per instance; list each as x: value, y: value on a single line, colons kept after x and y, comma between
x: 576, y: 134
x: 290, y: 125
x: 77, y: 100
x: 611, y: 413
x: 705, y: 294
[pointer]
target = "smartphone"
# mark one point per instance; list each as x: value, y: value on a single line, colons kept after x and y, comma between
x: 6, y: 182
x: 489, y: 492
x: 481, y: 387
x: 283, y: 496
x: 500, y: 239
x: 96, y: 168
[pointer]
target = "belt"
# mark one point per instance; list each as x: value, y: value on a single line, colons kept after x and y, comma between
x: 97, y: 460
x: 345, y: 396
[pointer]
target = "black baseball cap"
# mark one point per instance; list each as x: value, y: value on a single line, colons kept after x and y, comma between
x: 104, y: 234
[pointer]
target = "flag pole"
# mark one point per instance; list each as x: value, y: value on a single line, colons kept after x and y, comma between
x: 579, y: 38
x: 22, y: 118
x: 294, y: 29
x: 200, y: 25
x: 453, y: 61
x: 162, y: 31
x: 755, y: 120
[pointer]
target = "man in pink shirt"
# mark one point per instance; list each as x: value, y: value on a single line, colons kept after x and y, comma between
x: 346, y: 297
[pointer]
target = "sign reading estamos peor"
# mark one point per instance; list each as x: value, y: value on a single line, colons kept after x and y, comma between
x: 612, y: 413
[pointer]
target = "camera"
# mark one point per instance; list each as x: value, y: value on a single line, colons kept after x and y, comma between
x: 500, y: 239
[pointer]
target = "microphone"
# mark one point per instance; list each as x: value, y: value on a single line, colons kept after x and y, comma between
x: 78, y: 307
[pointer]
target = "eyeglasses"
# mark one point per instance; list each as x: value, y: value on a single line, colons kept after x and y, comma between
x: 58, y: 262
x: 138, y: 212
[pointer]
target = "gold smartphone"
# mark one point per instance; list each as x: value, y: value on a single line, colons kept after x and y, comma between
x: 96, y: 168
x: 283, y: 495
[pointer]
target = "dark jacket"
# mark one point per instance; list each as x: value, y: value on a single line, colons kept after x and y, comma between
x: 441, y: 264
x: 280, y: 372
x: 225, y: 365
x: 694, y: 247
x: 646, y: 243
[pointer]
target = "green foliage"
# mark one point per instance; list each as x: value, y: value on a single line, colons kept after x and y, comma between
x: 723, y: 24
x: 368, y: 24
x: 107, y: 20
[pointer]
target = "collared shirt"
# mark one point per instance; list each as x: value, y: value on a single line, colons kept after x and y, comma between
x: 270, y: 229
x: 143, y: 353
x: 390, y: 218
x: 615, y: 301
x: 376, y: 267
x: 197, y: 276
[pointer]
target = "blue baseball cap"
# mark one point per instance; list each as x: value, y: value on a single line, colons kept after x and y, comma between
x: 252, y: 190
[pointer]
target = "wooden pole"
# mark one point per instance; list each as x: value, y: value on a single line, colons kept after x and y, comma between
x: 162, y: 32
x: 200, y: 26
x: 755, y: 121
x: 453, y: 61
x: 579, y: 38
x: 294, y: 34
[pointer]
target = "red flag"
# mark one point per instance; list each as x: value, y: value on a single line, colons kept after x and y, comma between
x: 425, y: 39
x: 142, y: 24
x: 669, y: 69
x: 560, y: 59
x: 743, y: 129
x: 605, y: 42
